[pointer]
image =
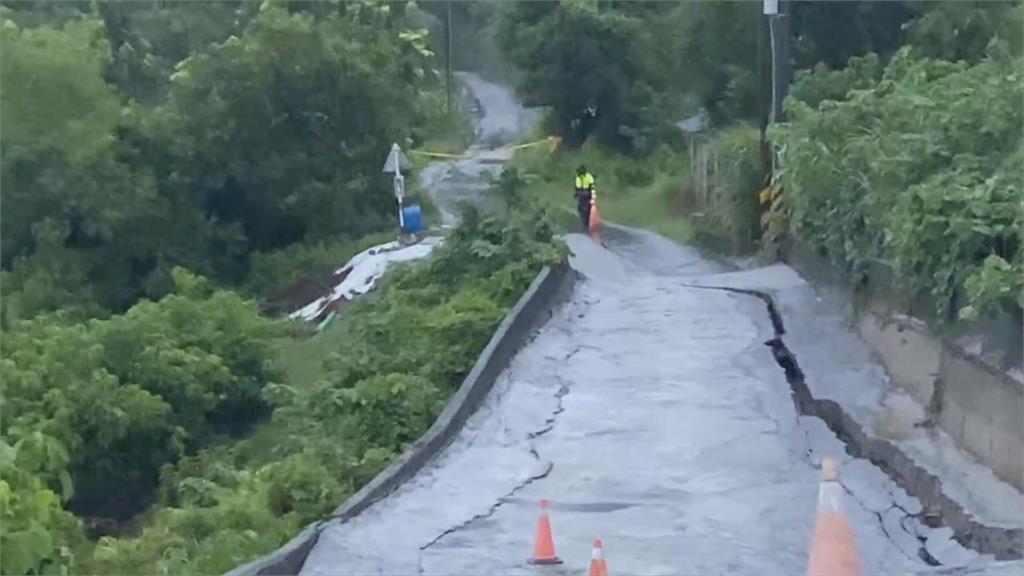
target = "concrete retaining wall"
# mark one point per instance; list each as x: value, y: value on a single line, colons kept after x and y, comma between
x: 981, y: 406
x: 552, y: 286
x: 984, y: 412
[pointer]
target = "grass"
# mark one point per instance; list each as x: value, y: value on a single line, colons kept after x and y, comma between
x: 643, y: 193
x: 451, y: 134
x: 302, y: 359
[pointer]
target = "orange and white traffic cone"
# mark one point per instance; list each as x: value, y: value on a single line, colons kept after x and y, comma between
x: 595, y: 218
x: 544, y: 547
x: 834, y: 548
x: 598, y: 567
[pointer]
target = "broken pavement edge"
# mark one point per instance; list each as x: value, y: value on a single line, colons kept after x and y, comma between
x: 550, y: 287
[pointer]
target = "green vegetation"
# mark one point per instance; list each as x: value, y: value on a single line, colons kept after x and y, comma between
x: 448, y: 133
x: 920, y: 170
x: 157, y: 156
x: 161, y: 391
x: 592, y: 63
x: 88, y: 406
x: 171, y: 171
x: 638, y: 192
x: 626, y: 72
x: 903, y: 145
x: 722, y: 198
x: 263, y: 128
x: 380, y: 376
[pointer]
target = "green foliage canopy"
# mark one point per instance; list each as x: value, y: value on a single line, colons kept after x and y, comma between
x: 921, y: 170
x: 87, y: 406
x: 261, y: 129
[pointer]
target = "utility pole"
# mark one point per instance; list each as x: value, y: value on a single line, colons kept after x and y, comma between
x: 448, y: 77
x: 782, y: 69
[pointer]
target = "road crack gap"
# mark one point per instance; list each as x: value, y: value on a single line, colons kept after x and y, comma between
x: 1003, y: 543
x: 493, y: 508
x: 549, y: 424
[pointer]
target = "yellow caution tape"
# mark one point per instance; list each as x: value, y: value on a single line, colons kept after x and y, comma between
x: 437, y: 154
x: 552, y: 141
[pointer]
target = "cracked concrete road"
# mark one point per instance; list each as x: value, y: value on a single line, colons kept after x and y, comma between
x: 653, y: 416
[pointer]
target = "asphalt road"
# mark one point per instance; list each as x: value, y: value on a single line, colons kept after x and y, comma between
x: 651, y: 414
x: 499, y: 120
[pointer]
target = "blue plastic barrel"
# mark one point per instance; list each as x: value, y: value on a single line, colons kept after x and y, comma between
x: 412, y: 218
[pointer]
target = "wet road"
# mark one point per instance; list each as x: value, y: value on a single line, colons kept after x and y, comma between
x: 651, y: 414
x: 499, y: 121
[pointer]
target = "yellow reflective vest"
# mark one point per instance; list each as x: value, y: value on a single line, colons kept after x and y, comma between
x: 585, y: 182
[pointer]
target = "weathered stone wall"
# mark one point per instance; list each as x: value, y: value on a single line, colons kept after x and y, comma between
x: 976, y: 395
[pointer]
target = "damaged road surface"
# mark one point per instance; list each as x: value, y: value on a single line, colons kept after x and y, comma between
x: 651, y: 414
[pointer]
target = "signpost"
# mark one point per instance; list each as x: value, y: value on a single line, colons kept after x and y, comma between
x: 396, y: 163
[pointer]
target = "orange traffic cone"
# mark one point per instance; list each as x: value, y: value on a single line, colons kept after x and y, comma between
x: 597, y: 563
x: 544, y: 549
x: 595, y: 218
x: 834, y: 549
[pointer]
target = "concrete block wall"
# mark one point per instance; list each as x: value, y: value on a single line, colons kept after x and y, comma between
x: 912, y: 358
x: 979, y: 405
x: 984, y: 411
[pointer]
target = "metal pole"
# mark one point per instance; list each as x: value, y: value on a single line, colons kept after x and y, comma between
x: 400, y: 193
x: 781, y: 67
x: 448, y: 28
x: 778, y: 28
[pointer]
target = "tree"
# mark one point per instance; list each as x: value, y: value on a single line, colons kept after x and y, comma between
x: 588, y: 61
x: 965, y: 30
x: 149, y: 37
x: 255, y: 142
x: 833, y: 32
x: 723, y: 58
x: 126, y: 395
x: 262, y: 136
x: 66, y: 190
x: 59, y: 119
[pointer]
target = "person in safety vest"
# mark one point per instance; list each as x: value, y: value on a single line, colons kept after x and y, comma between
x: 585, y: 195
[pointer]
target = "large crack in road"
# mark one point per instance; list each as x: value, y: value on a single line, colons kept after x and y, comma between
x: 806, y: 405
x: 549, y: 424
x: 651, y: 414
x: 649, y: 411
x: 1003, y: 543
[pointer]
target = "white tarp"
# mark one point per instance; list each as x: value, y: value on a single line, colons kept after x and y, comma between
x: 364, y: 269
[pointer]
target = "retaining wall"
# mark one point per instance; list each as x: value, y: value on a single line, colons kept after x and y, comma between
x: 977, y: 401
x: 552, y: 286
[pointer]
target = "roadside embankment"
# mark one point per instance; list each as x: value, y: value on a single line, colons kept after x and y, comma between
x: 551, y: 286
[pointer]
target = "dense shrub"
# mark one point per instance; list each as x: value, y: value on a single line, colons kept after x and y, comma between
x: 89, y: 406
x: 141, y: 136
x: 919, y: 170
x: 398, y: 355
x: 734, y: 174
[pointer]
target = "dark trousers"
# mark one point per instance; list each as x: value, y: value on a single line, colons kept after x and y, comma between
x: 583, y: 207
